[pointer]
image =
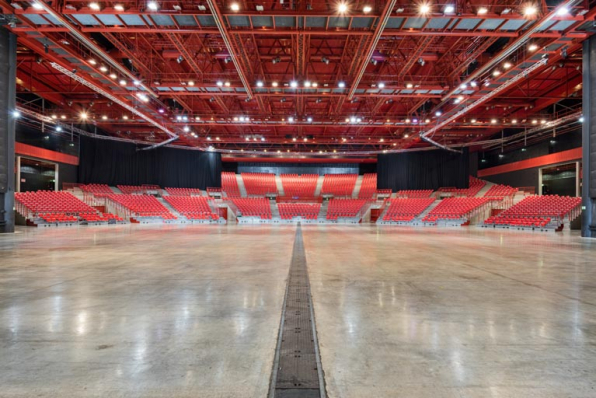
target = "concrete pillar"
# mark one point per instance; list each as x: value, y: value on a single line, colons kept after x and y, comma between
x: 589, y: 139
x: 8, y: 66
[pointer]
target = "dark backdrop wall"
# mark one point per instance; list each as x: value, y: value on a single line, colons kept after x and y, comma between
x: 113, y: 163
x: 423, y: 170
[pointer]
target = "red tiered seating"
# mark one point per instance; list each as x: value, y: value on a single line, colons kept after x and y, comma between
x: 539, y: 208
x: 58, y: 218
x: 259, y: 184
x: 29, y: 204
x: 475, y: 186
x: 415, y: 193
x: 96, y: 188
x: 500, y: 191
x: 106, y: 217
x: 344, y: 208
x: 143, y: 206
x: 339, y: 184
x: 368, y: 187
x: 406, y: 209
x: 254, y: 207
x: 299, y: 186
x: 183, y: 191
x: 455, y: 208
x: 229, y: 184
x: 192, y: 207
x: 527, y: 222
x: 287, y: 211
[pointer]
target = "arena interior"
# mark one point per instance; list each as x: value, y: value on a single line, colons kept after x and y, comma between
x: 298, y: 198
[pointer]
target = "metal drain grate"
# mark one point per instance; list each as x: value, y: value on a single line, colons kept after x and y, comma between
x: 297, y: 369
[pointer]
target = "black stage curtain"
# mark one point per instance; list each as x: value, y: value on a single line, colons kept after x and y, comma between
x: 112, y: 162
x: 423, y: 170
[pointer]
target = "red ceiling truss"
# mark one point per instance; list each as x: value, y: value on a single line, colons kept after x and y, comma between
x: 366, y: 80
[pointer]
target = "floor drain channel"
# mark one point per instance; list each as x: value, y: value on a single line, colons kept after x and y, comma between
x: 297, y: 369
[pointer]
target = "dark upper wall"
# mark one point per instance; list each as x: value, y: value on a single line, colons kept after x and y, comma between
x: 301, y: 168
x: 62, y: 143
x: 562, y: 143
x: 32, y: 135
x: 526, y: 177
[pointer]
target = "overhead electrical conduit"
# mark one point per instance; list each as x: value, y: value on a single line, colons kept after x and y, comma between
x: 92, y: 46
x: 123, y: 104
x: 520, y: 41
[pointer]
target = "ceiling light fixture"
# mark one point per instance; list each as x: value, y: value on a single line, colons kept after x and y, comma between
x: 119, y: 7
x: 530, y: 10
x: 342, y: 8
x: 367, y: 9
x: 482, y: 11
x: 153, y: 6
x: 94, y: 6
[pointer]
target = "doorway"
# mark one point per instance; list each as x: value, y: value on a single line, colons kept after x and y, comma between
x: 560, y: 180
x: 35, y: 175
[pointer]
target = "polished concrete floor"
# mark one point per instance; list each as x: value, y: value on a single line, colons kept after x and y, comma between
x: 169, y: 311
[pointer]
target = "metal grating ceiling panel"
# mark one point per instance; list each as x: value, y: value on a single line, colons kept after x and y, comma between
x: 185, y: 20
x: 108, y: 19
x: 491, y: 24
x: 468, y: 24
x: 238, y: 21
x: 132, y: 20
x: 358, y: 23
x: 262, y: 22
x: 339, y: 22
x: 36, y: 19
x: 285, y: 22
x: 414, y: 23
x: 162, y: 20
x: 438, y: 23
x: 206, y: 20
x: 86, y: 19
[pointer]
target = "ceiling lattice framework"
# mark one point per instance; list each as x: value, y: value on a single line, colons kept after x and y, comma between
x: 365, y: 80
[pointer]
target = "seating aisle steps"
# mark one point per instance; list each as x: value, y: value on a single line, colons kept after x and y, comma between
x: 323, y: 211
x: 357, y: 186
x: 241, y: 186
x: 484, y: 189
x: 428, y: 210
x: 280, y: 186
x: 179, y: 216
x: 319, y: 186
x: 274, y: 209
